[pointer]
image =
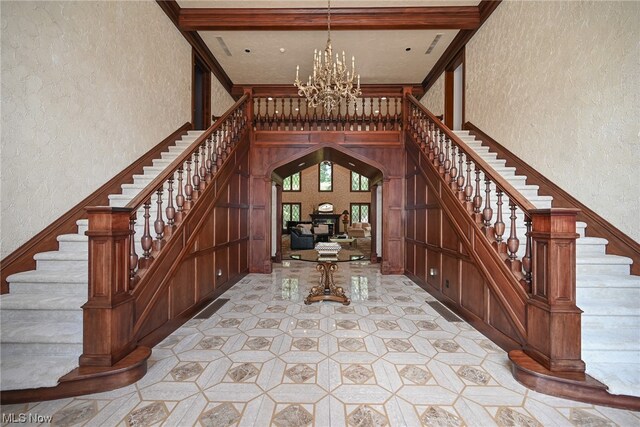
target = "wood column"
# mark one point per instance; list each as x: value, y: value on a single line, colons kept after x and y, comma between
x: 553, y: 318
x: 373, y: 220
x: 278, y: 203
x: 108, y: 313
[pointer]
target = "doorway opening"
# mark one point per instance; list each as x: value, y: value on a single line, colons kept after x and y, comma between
x: 454, y: 92
x: 200, y: 94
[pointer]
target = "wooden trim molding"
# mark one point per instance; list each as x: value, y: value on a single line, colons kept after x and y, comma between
x: 619, y: 243
x: 486, y: 8
x: 368, y: 90
x: 305, y: 19
x: 22, y: 258
x: 172, y: 9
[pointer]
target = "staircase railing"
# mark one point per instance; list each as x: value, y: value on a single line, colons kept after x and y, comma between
x: 122, y: 249
x: 539, y: 291
x: 292, y: 113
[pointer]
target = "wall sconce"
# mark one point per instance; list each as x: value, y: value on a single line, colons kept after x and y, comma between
x: 433, y: 272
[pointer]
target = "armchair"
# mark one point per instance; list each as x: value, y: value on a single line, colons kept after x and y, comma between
x: 359, y: 229
x: 300, y: 239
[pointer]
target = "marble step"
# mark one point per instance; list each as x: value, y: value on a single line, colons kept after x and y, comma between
x: 606, y: 295
x: 43, y: 370
x: 591, y: 246
x: 83, y: 225
x: 73, y: 243
x: 603, y: 264
x: 66, y: 282
x: 56, y: 338
x: 41, y: 308
x: 61, y: 261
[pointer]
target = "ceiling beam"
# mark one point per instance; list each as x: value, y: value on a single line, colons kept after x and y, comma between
x: 485, y: 8
x: 172, y: 9
x: 299, y: 19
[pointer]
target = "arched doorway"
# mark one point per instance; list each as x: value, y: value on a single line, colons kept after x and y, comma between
x: 344, y: 193
x: 383, y: 163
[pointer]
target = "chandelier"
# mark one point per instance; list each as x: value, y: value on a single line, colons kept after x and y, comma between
x: 331, y: 81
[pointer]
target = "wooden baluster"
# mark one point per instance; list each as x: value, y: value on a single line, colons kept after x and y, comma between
x: 436, y: 149
x: 158, y: 224
x: 188, y: 188
x: 372, y: 116
x: 146, y: 241
x: 363, y: 117
x: 441, y: 153
x: 477, y: 199
x: 487, y: 212
x: 219, y: 154
x: 396, y: 121
x: 499, y: 226
x: 256, y: 113
x: 512, y: 242
x: 133, y: 256
x: 430, y: 142
x: 209, y: 175
x: 526, y: 259
x: 314, y: 124
x: 180, y: 197
x: 453, y: 171
x: 291, y: 123
x: 230, y: 137
x: 298, y: 124
x: 339, y: 125
x: 307, y: 124
x: 379, y: 117
x: 460, y: 179
x: 283, y: 120
x: 170, y: 211
x: 468, y: 189
x: 196, y: 178
x: 203, y: 167
x: 447, y: 160
x: 387, y: 119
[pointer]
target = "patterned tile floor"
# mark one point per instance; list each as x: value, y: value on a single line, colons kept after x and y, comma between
x: 267, y: 359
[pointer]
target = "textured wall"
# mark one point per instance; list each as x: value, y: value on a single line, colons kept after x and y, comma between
x: 221, y: 101
x: 557, y: 83
x: 341, y: 196
x: 87, y: 87
x: 433, y: 100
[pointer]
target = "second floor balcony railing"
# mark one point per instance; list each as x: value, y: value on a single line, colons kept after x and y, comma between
x: 292, y: 113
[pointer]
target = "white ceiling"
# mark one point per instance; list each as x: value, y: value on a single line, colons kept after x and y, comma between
x: 381, y: 55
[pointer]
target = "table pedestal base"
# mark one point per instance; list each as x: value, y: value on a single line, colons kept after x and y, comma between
x: 326, y: 289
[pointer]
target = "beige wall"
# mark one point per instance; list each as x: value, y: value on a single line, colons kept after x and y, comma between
x: 87, y: 87
x: 341, y: 196
x: 433, y: 100
x: 557, y: 84
x: 221, y: 101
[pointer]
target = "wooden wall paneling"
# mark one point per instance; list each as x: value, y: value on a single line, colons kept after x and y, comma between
x: 420, y: 258
x: 205, y: 277
x: 472, y: 295
x: 222, y: 221
x: 449, y: 237
x: 420, y: 228
x: 449, y: 282
x: 182, y: 291
x: 222, y: 265
x: 409, y: 259
x: 433, y: 261
x: 434, y: 228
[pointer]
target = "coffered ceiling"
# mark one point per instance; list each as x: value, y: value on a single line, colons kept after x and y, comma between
x: 261, y: 42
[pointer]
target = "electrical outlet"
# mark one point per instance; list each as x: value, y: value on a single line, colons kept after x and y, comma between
x: 446, y: 283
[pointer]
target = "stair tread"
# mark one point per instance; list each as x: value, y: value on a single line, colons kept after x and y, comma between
x: 591, y: 241
x: 622, y: 378
x: 587, y: 259
x: 72, y: 238
x: 62, y: 256
x: 44, y: 333
x: 51, y: 276
x: 42, y: 302
x: 35, y: 371
x: 607, y: 281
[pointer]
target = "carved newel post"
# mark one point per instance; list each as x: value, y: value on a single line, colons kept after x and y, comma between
x: 553, y: 317
x: 108, y: 313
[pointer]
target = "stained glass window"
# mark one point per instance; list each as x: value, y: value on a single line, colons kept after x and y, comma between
x: 290, y: 212
x: 360, y: 212
x: 359, y: 182
x: 292, y: 183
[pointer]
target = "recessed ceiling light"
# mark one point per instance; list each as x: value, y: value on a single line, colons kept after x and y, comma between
x: 351, y: 164
x: 282, y: 50
x: 248, y: 50
x: 301, y: 164
x: 408, y: 49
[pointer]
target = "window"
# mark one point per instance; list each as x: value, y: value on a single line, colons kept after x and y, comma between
x: 359, y: 212
x: 325, y: 176
x: 292, y: 183
x: 290, y: 212
x: 359, y: 182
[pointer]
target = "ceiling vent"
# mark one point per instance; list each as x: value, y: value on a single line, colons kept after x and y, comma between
x: 433, y: 43
x: 223, y: 46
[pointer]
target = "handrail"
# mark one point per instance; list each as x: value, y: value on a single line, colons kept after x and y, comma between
x: 619, y: 242
x: 442, y: 147
x: 208, y: 152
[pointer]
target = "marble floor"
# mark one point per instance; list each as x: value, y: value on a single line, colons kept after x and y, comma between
x: 388, y: 359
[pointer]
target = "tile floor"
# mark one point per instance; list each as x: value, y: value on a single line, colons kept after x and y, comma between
x: 267, y: 359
